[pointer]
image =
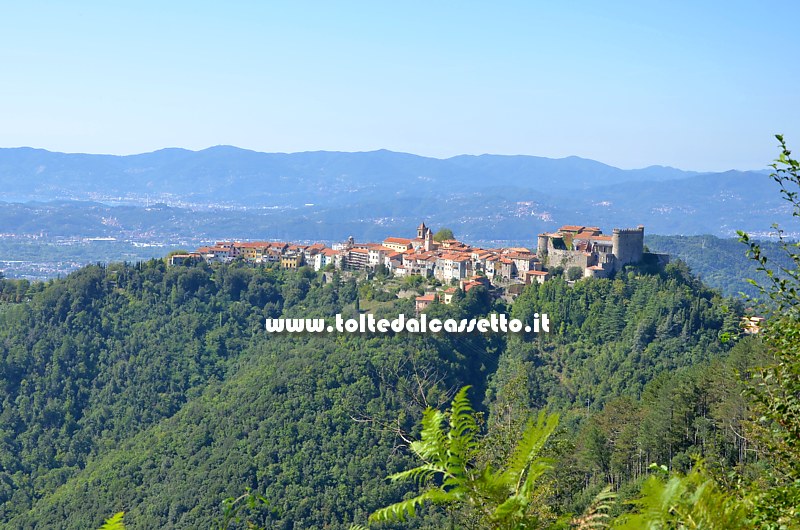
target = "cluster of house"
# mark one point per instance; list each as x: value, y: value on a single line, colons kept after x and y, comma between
x: 445, y: 296
x: 446, y: 260
x: 596, y: 255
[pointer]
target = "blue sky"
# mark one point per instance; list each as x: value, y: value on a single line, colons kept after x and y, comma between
x: 696, y: 85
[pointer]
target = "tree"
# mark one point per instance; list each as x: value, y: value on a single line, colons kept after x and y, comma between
x: 443, y: 235
x: 777, y: 391
x: 574, y: 273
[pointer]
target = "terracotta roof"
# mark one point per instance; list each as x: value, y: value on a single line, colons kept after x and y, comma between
x: 252, y: 244
x: 430, y: 297
x: 470, y: 285
x: 537, y: 273
x: 453, y: 256
x: 400, y: 240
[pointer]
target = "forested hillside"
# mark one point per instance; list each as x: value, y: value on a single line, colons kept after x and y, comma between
x: 719, y: 262
x: 156, y: 391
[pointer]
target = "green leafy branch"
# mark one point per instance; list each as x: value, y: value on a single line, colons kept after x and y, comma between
x: 452, y: 476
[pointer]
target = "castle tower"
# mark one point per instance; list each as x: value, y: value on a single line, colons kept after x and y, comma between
x: 627, y: 245
x: 541, y: 246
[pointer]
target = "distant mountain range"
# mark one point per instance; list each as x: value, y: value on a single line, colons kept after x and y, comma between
x: 229, y: 192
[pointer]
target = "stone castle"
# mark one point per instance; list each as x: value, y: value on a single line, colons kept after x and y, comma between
x: 597, y: 255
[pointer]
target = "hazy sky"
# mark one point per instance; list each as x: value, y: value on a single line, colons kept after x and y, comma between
x: 693, y: 84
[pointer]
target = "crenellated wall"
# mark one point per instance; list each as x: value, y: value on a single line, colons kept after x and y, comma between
x: 628, y: 245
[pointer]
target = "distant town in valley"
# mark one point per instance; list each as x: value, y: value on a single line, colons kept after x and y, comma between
x: 572, y: 251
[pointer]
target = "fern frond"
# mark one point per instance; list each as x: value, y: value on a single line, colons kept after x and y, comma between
x: 418, y: 474
x: 461, y: 436
x: 533, y: 439
x: 596, y: 516
x: 114, y: 522
x: 492, y: 483
x: 513, y: 507
x: 432, y: 445
x: 408, y: 508
x: 694, y: 500
x: 462, y: 417
x: 536, y: 469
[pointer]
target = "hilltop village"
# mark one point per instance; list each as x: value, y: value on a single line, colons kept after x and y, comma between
x: 572, y: 250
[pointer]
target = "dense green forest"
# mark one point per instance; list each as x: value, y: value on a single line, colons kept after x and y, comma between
x: 155, y: 390
x: 719, y: 263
